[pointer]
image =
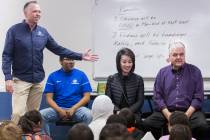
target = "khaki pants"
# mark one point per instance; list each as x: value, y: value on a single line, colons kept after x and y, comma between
x: 26, y: 97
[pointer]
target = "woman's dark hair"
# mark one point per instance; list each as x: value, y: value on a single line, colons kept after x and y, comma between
x: 29, y: 121
x: 80, y: 131
x: 128, y: 52
x: 180, y: 132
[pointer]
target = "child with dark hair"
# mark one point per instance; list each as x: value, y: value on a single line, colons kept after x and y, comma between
x: 130, y: 118
x: 114, y: 118
x: 80, y: 131
x: 113, y: 131
x: 180, y: 132
x: 31, y: 124
x: 177, y: 117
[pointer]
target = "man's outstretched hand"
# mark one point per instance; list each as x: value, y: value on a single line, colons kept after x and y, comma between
x: 88, y: 56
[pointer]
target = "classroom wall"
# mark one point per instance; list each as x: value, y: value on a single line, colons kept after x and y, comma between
x: 68, y: 21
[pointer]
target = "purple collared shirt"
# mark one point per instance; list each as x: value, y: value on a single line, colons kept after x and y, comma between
x: 178, y: 90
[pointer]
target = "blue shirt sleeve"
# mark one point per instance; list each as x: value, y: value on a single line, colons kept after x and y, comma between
x: 50, y: 85
x: 85, y: 84
x: 7, y: 55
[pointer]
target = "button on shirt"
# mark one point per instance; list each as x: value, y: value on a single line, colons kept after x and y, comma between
x: 178, y: 90
x: 23, y: 51
x: 68, y: 88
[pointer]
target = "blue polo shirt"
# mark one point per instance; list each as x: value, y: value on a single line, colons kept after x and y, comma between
x: 68, y: 88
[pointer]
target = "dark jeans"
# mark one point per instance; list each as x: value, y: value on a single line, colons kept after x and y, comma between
x: 156, y: 122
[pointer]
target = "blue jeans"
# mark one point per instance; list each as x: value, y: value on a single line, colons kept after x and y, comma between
x: 49, y: 115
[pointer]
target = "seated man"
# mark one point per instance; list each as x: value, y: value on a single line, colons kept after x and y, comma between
x: 67, y: 92
x: 178, y: 87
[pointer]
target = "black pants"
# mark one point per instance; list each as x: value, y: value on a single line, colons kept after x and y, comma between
x: 157, y: 121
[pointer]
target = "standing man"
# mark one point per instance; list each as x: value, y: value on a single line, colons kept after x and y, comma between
x: 178, y: 87
x: 23, y: 51
x: 67, y: 92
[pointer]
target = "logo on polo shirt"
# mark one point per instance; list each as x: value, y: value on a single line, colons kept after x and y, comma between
x: 39, y: 33
x: 74, y: 81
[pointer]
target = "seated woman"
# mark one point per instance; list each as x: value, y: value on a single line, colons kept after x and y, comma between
x: 125, y: 88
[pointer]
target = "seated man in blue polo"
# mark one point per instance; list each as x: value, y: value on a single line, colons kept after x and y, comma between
x: 67, y: 92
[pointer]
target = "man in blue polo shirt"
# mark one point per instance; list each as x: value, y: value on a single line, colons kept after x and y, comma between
x: 22, y: 60
x: 67, y: 92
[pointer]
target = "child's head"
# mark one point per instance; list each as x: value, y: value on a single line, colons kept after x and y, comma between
x: 180, y: 132
x: 31, y: 121
x: 178, y: 117
x: 114, y: 118
x: 80, y: 131
x: 113, y: 130
x: 129, y: 116
x: 10, y: 131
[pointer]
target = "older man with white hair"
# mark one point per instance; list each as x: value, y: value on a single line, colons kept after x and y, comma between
x: 178, y: 87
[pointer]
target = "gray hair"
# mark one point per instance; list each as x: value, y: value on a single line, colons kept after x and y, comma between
x: 176, y: 44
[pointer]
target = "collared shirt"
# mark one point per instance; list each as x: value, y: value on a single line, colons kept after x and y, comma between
x: 23, y: 51
x: 178, y: 90
x: 68, y: 88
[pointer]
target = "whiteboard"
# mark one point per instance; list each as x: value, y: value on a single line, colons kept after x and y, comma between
x: 147, y: 27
